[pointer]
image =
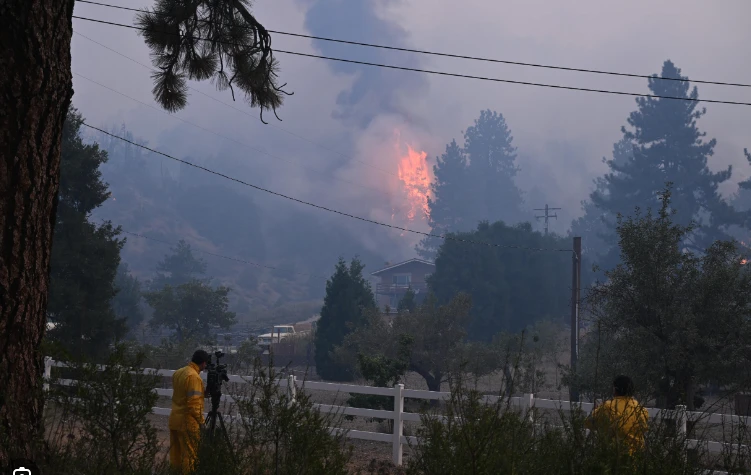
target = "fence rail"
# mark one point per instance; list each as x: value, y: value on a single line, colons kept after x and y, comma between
x: 525, y: 403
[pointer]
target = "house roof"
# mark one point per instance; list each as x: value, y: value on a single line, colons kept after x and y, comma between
x: 394, y: 266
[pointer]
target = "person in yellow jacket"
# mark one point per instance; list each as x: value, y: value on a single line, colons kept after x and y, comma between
x: 623, y: 416
x: 186, y: 418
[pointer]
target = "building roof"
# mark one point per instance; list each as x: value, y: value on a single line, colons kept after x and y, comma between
x: 394, y: 266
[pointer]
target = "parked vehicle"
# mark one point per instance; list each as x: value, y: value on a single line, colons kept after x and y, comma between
x: 278, y: 333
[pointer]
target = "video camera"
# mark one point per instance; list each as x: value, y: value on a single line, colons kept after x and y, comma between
x: 215, y: 374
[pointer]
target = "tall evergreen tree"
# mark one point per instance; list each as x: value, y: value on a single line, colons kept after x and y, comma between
x: 348, y: 295
x: 179, y: 267
x: 594, y: 224
x: 36, y: 63
x: 492, y: 169
x: 85, y: 257
x: 448, y: 203
x: 666, y: 146
x: 474, y: 183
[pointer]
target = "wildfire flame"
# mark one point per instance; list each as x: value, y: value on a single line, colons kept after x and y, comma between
x: 415, y: 175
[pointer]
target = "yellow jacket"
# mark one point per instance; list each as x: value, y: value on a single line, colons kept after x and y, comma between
x: 187, y: 399
x: 625, y: 417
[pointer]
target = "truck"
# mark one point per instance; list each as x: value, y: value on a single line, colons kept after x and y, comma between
x: 278, y: 333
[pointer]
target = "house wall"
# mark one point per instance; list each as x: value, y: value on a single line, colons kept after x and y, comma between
x: 418, y: 271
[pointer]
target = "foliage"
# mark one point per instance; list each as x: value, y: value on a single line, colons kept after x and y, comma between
x: 510, y: 288
x: 665, y: 144
x: 433, y: 354
x: 448, y: 201
x: 203, y: 40
x: 670, y: 316
x: 474, y: 183
x: 191, y: 309
x: 85, y: 257
x: 127, y: 301
x: 276, y: 433
x: 537, y: 348
x: 383, y: 372
x: 101, y: 424
x: 407, y: 303
x: 348, y: 295
x: 488, y: 438
x: 179, y: 267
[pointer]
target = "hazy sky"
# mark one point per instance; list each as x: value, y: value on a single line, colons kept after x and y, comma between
x: 348, y: 115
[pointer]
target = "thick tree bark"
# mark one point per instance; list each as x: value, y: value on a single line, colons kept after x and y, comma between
x: 35, y: 92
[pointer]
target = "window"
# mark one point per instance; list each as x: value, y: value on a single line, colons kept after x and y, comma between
x: 402, y: 279
x: 394, y: 301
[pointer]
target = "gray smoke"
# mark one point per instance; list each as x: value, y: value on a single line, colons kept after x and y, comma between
x: 374, y: 90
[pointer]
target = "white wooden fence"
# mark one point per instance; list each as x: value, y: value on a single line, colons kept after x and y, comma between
x: 397, y: 439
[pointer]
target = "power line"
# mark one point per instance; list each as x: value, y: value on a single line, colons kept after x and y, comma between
x: 547, y: 215
x: 457, y: 75
x: 229, y: 138
x: 457, y: 56
x: 242, y: 111
x: 307, y: 203
x: 243, y: 261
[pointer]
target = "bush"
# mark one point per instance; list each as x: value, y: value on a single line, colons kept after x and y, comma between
x: 488, y: 438
x: 99, y: 423
x: 275, y: 433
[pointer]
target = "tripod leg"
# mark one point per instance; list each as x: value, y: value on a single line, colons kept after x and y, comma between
x: 226, y: 435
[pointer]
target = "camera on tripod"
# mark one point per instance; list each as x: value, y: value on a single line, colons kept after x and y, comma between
x: 215, y: 374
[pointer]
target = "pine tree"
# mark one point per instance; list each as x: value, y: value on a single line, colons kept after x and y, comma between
x: 666, y: 147
x: 179, y: 267
x: 488, y: 145
x: 594, y: 225
x: 85, y: 257
x: 36, y: 79
x: 348, y: 295
x: 448, y: 201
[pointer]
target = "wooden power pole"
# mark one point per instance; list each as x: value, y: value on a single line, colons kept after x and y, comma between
x: 575, y: 295
x: 547, y: 215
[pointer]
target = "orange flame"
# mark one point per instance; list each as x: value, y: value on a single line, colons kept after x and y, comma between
x: 415, y: 174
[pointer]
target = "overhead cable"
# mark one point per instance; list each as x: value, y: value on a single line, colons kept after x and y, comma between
x: 323, y: 208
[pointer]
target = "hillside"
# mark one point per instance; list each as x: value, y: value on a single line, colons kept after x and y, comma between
x: 153, y: 199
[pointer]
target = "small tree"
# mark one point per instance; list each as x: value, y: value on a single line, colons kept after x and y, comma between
x: 407, y: 303
x: 383, y: 372
x: 348, y: 295
x: 191, y: 309
x: 437, y: 337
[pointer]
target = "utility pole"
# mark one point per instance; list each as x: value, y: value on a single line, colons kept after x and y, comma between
x: 547, y: 215
x: 575, y: 293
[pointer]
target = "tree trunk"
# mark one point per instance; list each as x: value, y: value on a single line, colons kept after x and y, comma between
x: 35, y: 92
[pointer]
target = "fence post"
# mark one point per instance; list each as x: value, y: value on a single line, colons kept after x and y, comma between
x: 291, y: 388
x: 398, y: 424
x: 680, y: 421
x: 527, y: 404
x: 47, y: 372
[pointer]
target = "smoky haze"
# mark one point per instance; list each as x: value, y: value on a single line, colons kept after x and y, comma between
x: 356, y: 121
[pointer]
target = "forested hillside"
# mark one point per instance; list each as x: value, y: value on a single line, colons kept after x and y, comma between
x: 293, y: 248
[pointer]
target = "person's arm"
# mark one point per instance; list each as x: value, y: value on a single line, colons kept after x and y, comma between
x: 195, y: 396
x: 589, y: 422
